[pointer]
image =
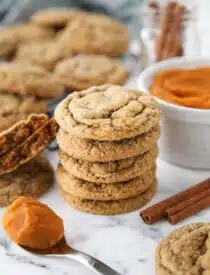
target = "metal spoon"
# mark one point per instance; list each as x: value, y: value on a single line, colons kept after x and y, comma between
x: 63, y: 250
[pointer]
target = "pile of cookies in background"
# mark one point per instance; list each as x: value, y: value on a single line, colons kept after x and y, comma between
x: 108, y: 149
x: 57, y: 50
x: 24, y: 170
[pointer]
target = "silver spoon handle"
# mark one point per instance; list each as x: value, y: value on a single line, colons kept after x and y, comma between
x: 95, y: 265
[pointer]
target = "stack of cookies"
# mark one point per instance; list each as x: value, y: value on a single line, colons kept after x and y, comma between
x: 23, y: 171
x: 108, y: 149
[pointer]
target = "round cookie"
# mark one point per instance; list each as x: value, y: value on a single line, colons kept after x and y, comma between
x: 28, y: 80
x: 185, y: 251
x: 55, y: 17
x: 15, y: 107
x: 104, y: 151
x: 33, y: 179
x: 83, y: 71
x: 45, y: 54
x: 110, y: 172
x: 102, y: 191
x: 110, y: 207
x: 27, y: 32
x: 8, y: 42
x: 96, y: 34
x: 107, y: 112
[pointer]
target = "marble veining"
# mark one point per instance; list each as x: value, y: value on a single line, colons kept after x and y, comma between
x: 122, y: 241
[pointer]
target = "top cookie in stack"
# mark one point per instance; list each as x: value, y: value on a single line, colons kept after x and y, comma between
x: 108, y: 148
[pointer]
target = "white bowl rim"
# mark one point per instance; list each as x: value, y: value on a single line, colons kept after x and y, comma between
x: 184, y: 62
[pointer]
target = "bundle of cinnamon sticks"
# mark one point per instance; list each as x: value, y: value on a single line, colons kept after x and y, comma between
x: 169, y: 40
x: 181, y: 205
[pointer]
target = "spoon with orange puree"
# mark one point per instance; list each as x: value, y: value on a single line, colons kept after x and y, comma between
x: 37, y: 229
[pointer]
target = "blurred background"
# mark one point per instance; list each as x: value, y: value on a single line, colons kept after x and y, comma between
x: 128, y: 11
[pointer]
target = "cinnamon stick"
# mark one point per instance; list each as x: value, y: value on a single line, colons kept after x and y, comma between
x: 184, y: 204
x: 173, y: 38
x: 164, y: 28
x: 176, y: 31
x: 190, y: 210
x: 157, y: 211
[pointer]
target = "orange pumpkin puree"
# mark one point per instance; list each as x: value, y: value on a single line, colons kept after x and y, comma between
x: 185, y: 87
x: 32, y: 224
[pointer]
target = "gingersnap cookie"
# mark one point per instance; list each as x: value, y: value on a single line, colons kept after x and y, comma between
x: 30, y: 148
x: 83, y: 71
x: 29, y: 80
x: 19, y: 132
x: 96, y: 34
x: 104, y: 151
x: 27, y: 32
x: 45, y: 54
x: 109, y: 172
x: 14, y: 107
x: 102, y: 191
x: 8, y: 43
x: 185, y: 251
x: 113, y: 207
x: 55, y: 17
x: 33, y: 179
x: 107, y: 112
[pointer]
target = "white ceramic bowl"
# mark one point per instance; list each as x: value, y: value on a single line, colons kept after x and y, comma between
x: 185, y: 132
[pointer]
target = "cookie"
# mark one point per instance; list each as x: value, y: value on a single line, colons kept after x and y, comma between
x: 107, y: 112
x: 30, y: 148
x: 83, y: 71
x: 28, y: 80
x: 31, y: 179
x: 14, y: 107
x: 18, y: 133
x: 96, y: 34
x: 8, y: 43
x: 104, y: 151
x: 55, y: 17
x: 102, y: 191
x: 110, y: 172
x: 27, y: 32
x: 185, y: 251
x: 45, y: 54
x: 110, y: 207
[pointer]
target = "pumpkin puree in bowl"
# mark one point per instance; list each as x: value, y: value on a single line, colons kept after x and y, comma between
x: 185, y: 87
x: 32, y: 224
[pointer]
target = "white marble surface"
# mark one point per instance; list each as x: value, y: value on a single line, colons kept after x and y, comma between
x: 123, y: 241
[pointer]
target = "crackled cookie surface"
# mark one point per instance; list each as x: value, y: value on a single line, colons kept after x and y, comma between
x: 107, y: 112
x: 32, y: 179
x: 110, y: 207
x: 96, y: 34
x: 27, y: 32
x: 102, y: 191
x: 185, y: 251
x: 14, y: 107
x: 56, y: 17
x: 104, y: 151
x: 45, y: 53
x: 83, y: 71
x: 28, y: 79
x: 109, y: 172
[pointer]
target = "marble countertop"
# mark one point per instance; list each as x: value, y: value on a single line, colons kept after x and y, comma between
x: 123, y: 241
